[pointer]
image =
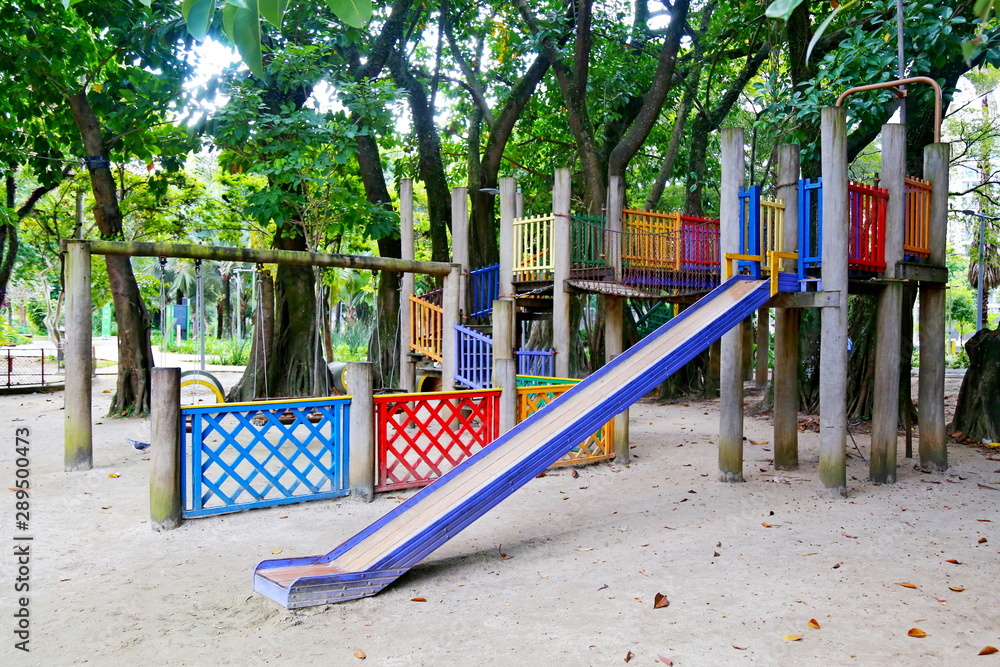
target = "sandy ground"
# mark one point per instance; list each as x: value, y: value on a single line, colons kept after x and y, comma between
x: 564, y: 572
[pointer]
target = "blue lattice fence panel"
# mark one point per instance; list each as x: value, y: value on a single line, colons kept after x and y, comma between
x: 246, y: 455
x: 750, y: 229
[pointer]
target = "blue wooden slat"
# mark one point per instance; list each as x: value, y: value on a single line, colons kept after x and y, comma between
x: 485, y: 289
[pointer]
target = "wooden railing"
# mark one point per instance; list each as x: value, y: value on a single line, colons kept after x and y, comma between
x: 866, y: 248
x: 916, y: 236
x: 533, y: 258
x: 426, y: 324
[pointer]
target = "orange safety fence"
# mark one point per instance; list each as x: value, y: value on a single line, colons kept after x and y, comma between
x: 426, y: 327
x: 598, y: 447
x: 916, y: 236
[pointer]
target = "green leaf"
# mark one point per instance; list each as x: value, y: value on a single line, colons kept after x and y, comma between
x: 273, y: 10
x: 243, y: 27
x: 982, y: 8
x: 355, y: 13
x: 198, y: 15
x: 823, y: 26
x: 242, y: 4
x: 968, y: 48
x: 781, y: 9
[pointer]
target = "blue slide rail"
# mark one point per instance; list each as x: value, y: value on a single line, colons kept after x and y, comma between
x: 323, y: 582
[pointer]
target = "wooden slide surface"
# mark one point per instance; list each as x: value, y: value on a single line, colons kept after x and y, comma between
x: 385, y: 544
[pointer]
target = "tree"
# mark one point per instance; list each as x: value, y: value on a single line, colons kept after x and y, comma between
x: 115, y: 74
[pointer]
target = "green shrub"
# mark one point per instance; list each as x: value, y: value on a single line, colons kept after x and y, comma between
x: 232, y: 352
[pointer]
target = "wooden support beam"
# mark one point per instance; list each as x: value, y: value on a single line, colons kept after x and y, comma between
x: 504, y: 363
x: 407, y: 371
x: 614, y: 346
x: 165, y: 455
x: 731, y: 352
x: 833, y: 344
x: 786, y: 322
x: 263, y: 256
x: 888, y: 334
x: 933, y: 441
x: 450, y: 317
x: 78, y: 440
x: 361, y: 456
x: 561, y: 258
x: 460, y: 244
x: 508, y: 191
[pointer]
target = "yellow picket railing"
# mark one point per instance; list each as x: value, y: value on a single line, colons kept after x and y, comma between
x: 533, y: 258
x: 651, y: 239
x: 598, y: 447
x: 772, y: 219
x: 426, y: 327
x: 916, y: 235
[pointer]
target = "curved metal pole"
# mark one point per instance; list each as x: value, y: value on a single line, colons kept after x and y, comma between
x: 902, y: 93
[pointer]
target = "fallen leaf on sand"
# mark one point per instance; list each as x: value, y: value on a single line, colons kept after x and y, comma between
x: 585, y: 549
x: 665, y: 661
x: 814, y: 624
x: 989, y: 650
x: 360, y: 655
x: 418, y: 599
x: 836, y: 565
x: 106, y: 507
x: 660, y: 601
x: 982, y: 540
x: 767, y: 525
x: 957, y: 589
x: 917, y: 632
x: 276, y: 551
x: 740, y: 648
x: 113, y: 475
x: 991, y: 488
x: 953, y: 561
x: 792, y: 638
x: 941, y: 601
x: 602, y: 587
x: 906, y: 585
x: 629, y: 656
x: 758, y: 442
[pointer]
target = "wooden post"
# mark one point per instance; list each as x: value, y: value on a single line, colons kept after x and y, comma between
x: 763, y: 347
x: 504, y: 363
x: 508, y: 189
x: 406, y: 370
x: 165, y: 459
x: 933, y: 443
x: 78, y: 433
x: 786, y: 323
x: 888, y: 334
x: 361, y: 471
x: 731, y: 352
x: 460, y: 244
x: 561, y: 258
x: 449, y: 347
x: 833, y: 344
x: 614, y: 346
x: 613, y: 223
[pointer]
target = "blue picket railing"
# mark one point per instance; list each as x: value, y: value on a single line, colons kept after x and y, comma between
x: 246, y: 455
x: 536, y: 361
x: 810, y: 225
x: 750, y: 229
x: 475, y: 358
x: 485, y: 289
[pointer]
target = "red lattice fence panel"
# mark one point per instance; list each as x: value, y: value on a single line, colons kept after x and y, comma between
x: 420, y: 437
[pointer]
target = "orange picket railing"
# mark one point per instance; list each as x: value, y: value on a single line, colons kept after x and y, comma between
x: 426, y: 327
x: 916, y: 236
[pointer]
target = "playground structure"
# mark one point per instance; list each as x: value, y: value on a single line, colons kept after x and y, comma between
x: 844, y: 236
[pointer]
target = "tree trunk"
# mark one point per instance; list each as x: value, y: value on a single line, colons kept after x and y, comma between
x: 135, y: 353
x: 977, y: 415
x: 226, y: 308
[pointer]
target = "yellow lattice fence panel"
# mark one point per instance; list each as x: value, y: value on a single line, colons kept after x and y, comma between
x: 651, y: 239
x: 426, y: 325
x: 916, y: 234
x: 533, y: 248
x: 598, y: 447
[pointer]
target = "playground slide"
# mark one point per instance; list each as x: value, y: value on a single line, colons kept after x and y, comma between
x: 376, y: 556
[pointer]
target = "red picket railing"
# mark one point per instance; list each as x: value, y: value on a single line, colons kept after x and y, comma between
x: 866, y: 204
x: 420, y: 437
